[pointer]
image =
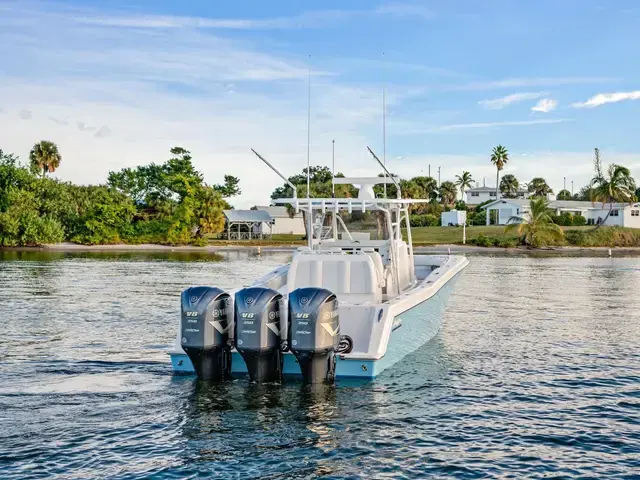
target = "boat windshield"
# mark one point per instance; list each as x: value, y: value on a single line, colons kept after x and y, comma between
x: 357, y: 225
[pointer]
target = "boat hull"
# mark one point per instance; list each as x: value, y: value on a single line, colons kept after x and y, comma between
x: 411, y: 329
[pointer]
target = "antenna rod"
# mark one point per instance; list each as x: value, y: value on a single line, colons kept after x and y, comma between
x: 310, y: 213
x: 286, y: 180
x: 386, y: 171
x: 333, y: 167
x: 384, y: 136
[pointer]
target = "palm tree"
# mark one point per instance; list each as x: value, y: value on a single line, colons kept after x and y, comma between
x: 448, y: 192
x: 464, y: 182
x: 44, y: 157
x: 429, y: 185
x: 537, y: 226
x: 617, y: 186
x: 538, y: 187
x: 509, y: 186
x: 499, y: 158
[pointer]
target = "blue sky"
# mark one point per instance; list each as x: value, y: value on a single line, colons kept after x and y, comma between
x: 117, y: 83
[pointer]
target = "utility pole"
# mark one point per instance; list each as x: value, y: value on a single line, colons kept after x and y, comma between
x: 572, y: 188
x: 333, y: 167
x: 439, y: 177
x: 565, y: 183
x: 429, y: 170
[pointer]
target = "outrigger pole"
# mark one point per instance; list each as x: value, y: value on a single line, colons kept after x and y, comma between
x: 399, y: 195
x: 286, y: 180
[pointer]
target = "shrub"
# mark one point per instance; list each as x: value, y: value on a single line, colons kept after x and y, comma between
x: 564, y: 219
x: 431, y: 220
x: 575, y: 237
x: 480, y: 218
x: 567, y: 220
x: 482, y: 241
x: 425, y: 220
x: 507, y: 242
x: 579, y: 221
x: 604, y: 237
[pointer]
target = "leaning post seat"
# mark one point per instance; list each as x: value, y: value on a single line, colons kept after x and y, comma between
x: 352, y: 277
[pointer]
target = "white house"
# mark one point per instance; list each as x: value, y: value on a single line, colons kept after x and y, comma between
x: 479, y: 195
x: 622, y: 214
x: 282, y: 223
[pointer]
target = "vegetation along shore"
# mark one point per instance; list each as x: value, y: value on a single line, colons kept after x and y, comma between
x: 170, y: 204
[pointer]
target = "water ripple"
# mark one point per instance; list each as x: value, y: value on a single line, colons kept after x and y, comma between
x: 534, y: 375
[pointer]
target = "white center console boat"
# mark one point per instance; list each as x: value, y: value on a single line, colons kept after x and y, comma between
x: 350, y: 304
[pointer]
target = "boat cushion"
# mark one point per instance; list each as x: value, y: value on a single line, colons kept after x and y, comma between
x: 352, y: 277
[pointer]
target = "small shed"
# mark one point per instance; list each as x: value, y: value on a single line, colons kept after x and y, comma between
x: 453, y: 218
x: 283, y: 222
x: 247, y: 224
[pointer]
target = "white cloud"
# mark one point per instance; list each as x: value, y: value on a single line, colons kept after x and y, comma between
x: 405, y: 10
x: 83, y: 127
x: 103, y: 131
x: 502, y: 102
x: 604, y: 98
x: 545, y: 105
x: 532, y: 82
x: 516, y: 123
x: 314, y: 19
x: 306, y: 20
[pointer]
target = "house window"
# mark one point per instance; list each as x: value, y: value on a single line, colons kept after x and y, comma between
x: 475, y: 194
x: 492, y: 194
x: 614, y: 213
x: 635, y: 213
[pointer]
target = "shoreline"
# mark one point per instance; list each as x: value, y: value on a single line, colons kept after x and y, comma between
x: 420, y: 249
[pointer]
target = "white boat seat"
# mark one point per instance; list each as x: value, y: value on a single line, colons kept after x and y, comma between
x: 377, y: 262
x: 352, y: 277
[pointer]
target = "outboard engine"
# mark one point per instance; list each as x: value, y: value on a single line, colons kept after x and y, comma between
x: 205, y: 331
x: 257, y: 332
x: 313, y: 333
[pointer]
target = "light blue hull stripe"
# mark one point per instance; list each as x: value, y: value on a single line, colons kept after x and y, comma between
x: 414, y: 328
x: 344, y: 368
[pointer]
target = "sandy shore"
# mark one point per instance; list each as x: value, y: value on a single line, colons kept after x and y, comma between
x: 453, y: 249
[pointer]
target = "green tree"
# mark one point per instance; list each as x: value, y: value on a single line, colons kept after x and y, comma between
x: 538, y: 187
x: 499, y: 158
x: 509, y: 186
x: 230, y: 187
x: 429, y: 185
x: 536, y: 227
x: 585, y: 194
x: 448, y: 193
x: 564, y: 195
x: 320, y: 181
x: 23, y: 220
x: 45, y: 157
x: 616, y: 186
x: 464, y: 182
x: 173, y: 204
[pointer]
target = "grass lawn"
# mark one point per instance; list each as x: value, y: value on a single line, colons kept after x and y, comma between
x: 443, y: 235
x: 282, y: 239
x: 421, y: 236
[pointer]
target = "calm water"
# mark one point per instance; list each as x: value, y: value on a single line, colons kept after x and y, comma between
x: 536, y: 373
